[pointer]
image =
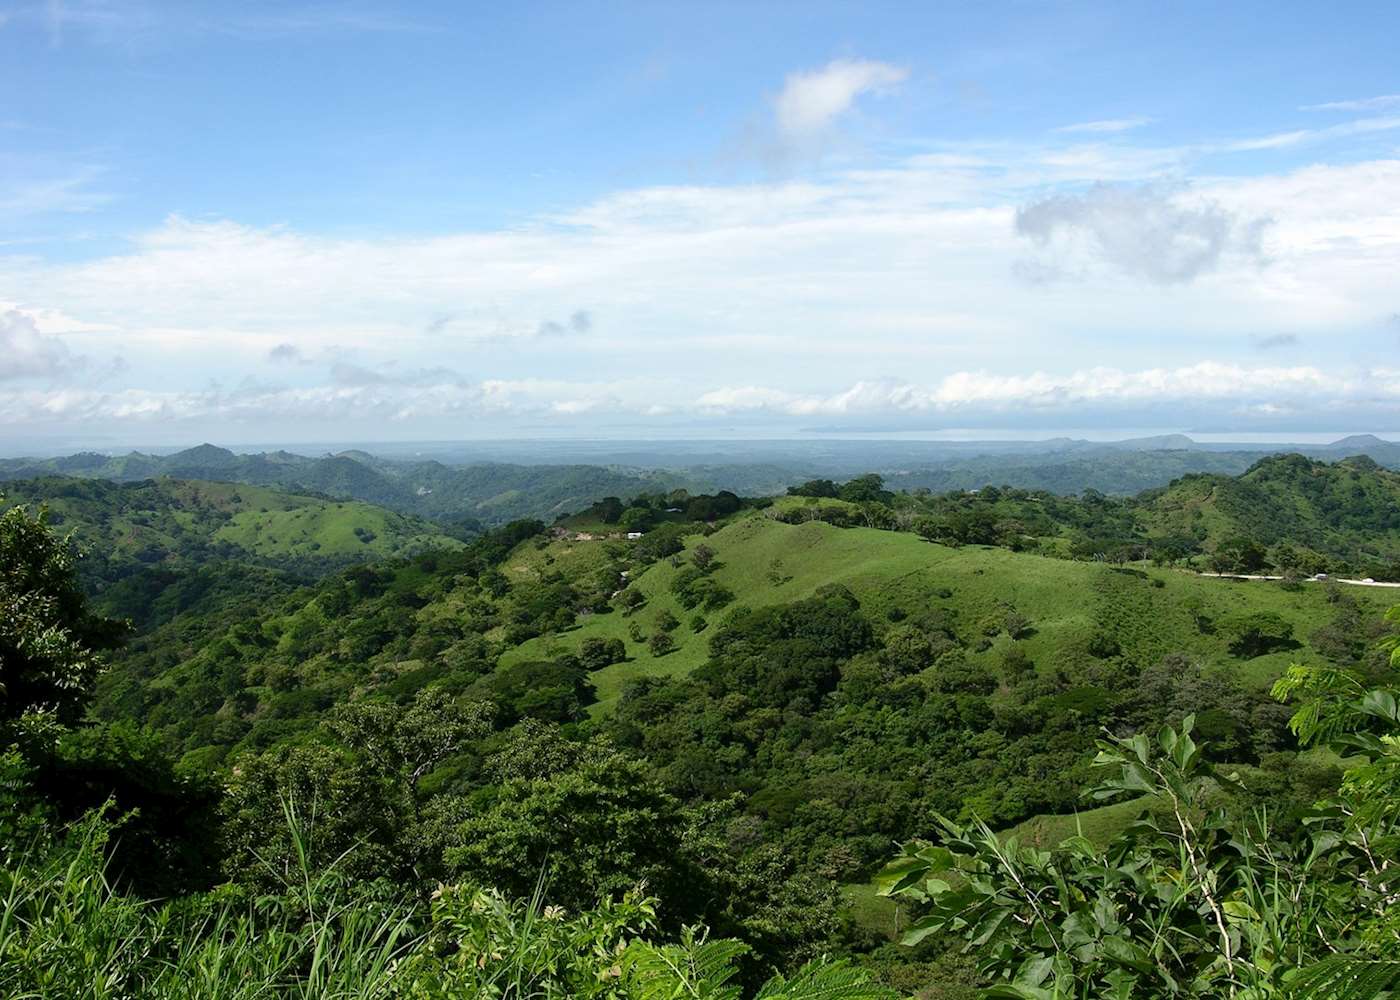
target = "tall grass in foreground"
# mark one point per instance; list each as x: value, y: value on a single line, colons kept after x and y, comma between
x: 67, y: 933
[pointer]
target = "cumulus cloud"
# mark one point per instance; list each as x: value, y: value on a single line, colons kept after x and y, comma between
x: 810, y: 102
x: 928, y: 242
x: 1149, y: 231
x: 1212, y: 393
x: 285, y: 354
x: 1276, y: 340
x: 359, y: 400
x: 25, y: 352
x: 900, y: 266
x: 356, y: 398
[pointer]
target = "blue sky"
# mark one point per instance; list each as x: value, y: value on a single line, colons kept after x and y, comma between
x: 424, y: 221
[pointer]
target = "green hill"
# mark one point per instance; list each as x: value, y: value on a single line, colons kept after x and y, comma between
x: 1348, y: 509
x: 1285, y: 514
x: 478, y: 489
x: 129, y: 528
x: 764, y: 561
x: 525, y: 625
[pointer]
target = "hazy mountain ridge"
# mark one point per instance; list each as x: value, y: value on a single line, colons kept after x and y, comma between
x: 468, y: 483
x: 491, y: 493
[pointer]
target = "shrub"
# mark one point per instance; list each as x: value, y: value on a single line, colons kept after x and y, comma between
x: 661, y: 643
x: 596, y: 653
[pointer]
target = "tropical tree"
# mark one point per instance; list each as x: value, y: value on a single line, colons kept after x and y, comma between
x: 50, y: 642
x: 595, y: 821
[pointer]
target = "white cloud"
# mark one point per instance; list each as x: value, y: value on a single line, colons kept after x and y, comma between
x: 131, y: 22
x: 24, y: 196
x: 810, y: 102
x: 906, y: 257
x: 25, y: 352
x: 1384, y: 102
x: 905, y: 265
x: 361, y: 397
x: 1188, y: 385
x: 1108, y: 125
x: 357, y: 399
x: 1297, y: 137
x: 1278, y: 140
x: 1165, y: 236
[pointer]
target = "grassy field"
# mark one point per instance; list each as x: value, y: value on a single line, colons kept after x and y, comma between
x: 868, y: 909
x: 1099, y: 825
x: 329, y: 528
x: 1148, y: 611
x: 573, y: 559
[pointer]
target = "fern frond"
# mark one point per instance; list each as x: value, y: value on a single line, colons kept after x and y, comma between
x: 825, y: 981
x: 693, y: 968
x: 1342, y: 977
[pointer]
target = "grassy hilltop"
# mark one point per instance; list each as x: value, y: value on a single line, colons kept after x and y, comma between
x: 1148, y: 611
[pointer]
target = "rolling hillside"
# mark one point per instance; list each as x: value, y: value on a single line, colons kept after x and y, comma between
x: 1149, y: 612
x: 125, y: 529
x: 544, y: 599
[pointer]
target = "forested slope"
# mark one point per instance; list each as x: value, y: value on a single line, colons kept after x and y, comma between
x: 1348, y: 509
x: 140, y: 538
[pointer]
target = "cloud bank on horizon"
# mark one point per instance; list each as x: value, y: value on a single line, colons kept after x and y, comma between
x: 751, y: 238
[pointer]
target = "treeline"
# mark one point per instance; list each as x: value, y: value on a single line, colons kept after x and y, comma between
x: 647, y: 510
x: 1287, y: 514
